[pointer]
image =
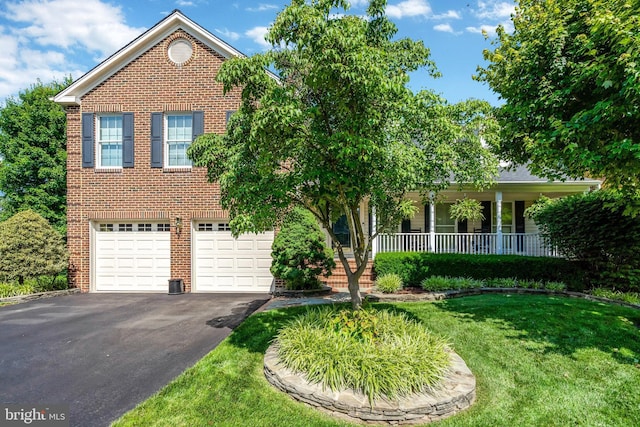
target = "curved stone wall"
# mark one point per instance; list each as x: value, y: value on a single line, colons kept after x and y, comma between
x: 457, y: 392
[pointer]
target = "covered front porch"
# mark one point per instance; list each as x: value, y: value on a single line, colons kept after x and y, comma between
x: 504, y: 230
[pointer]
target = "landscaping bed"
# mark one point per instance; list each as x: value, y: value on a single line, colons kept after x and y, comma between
x: 538, y: 360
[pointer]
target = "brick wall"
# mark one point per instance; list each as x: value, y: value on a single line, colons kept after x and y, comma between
x: 149, y: 84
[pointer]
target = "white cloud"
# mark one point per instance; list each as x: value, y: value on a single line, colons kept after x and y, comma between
x: 445, y: 28
x: 449, y: 14
x: 185, y: 3
x: 257, y: 35
x: 40, y: 37
x: 494, y: 10
x: 86, y: 24
x: 228, y: 34
x: 409, y: 8
x: 262, y: 7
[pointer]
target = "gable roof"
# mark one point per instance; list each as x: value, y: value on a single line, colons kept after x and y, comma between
x: 175, y: 20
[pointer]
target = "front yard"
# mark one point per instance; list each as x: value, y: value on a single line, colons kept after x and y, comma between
x: 538, y: 360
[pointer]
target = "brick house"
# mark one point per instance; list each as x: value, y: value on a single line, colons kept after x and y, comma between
x: 138, y: 213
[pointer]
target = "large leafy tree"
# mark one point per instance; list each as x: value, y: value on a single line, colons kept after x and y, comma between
x: 33, y: 154
x: 338, y: 129
x: 570, y: 78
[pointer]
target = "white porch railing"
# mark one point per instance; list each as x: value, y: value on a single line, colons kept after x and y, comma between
x: 465, y: 243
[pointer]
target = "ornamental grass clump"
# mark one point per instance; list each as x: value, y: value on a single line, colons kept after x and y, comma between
x: 378, y: 353
x: 389, y: 283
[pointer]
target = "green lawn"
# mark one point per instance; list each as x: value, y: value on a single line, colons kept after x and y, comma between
x: 538, y: 361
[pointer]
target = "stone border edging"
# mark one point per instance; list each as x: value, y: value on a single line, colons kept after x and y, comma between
x: 457, y: 392
x: 303, y: 293
x: 437, y: 296
x: 40, y: 295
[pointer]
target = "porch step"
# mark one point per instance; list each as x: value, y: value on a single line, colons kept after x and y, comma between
x: 338, y: 280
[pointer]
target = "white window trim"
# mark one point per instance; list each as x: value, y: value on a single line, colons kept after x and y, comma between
x: 98, y: 143
x: 165, y: 138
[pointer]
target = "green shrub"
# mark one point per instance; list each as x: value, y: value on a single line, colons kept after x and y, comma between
x: 466, y: 283
x: 628, y: 297
x: 30, y: 248
x: 555, y: 286
x: 299, y: 252
x: 530, y: 284
x: 501, y: 282
x: 414, y: 267
x: 593, y: 228
x: 378, y: 353
x: 31, y: 286
x: 436, y: 283
x: 389, y: 283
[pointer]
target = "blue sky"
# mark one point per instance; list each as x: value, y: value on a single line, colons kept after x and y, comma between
x: 49, y: 39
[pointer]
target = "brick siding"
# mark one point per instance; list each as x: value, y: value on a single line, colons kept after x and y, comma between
x: 151, y: 83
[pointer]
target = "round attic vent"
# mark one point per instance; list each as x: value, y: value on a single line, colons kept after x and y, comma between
x: 180, y: 51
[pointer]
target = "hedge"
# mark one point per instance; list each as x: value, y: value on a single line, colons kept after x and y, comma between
x: 414, y: 267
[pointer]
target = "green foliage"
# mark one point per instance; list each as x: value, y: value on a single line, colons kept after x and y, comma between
x: 628, y: 297
x: 299, y: 252
x: 339, y: 127
x: 33, y: 154
x: 594, y: 229
x: 389, y: 283
x: 440, y: 283
x: 436, y: 283
x: 379, y: 353
x: 569, y: 75
x: 466, y: 209
x: 414, y: 267
x: 30, y: 248
x: 33, y: 286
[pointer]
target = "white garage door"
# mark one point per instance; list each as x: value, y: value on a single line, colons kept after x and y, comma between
x: 224, y: 264
x: 131, y: 257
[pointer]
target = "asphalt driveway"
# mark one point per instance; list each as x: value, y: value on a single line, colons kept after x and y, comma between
x: 102, y: 354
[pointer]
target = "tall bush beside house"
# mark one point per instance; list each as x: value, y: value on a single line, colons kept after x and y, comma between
x: 30, y: 248
x: 299, y: 252
x: 594, y: 229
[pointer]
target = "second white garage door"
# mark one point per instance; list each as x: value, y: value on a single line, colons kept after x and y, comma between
x: 224, y: 264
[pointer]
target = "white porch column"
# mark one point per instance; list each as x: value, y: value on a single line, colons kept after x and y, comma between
x: 499, y: 222
x: 432, y: 224
x: 374, y: 227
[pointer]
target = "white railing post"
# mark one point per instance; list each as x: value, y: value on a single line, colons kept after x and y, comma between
x: 374, y: 226
x: 432, y: 224
x: 499, y: 222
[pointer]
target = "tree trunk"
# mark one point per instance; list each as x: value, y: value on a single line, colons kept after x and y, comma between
x: 354, y: 291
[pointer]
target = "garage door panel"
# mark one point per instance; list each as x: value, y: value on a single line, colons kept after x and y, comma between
x: 245, y: 245
x: 225, y: 264
x: 246, y: 263
x: 131, y: 261
x: 225, y: 245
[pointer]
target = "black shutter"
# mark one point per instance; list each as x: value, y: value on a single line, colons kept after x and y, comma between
x: 519, y: 224
x: 406, y: 226
x: 156, y: 140
x: 519, y: 216
x: 486, y: 211
x: 427, y: 217
x: 198, y: 124
x: 463, y: 226
x: 127, y: 140
x: 229, y: 114
x: 87, y: 140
